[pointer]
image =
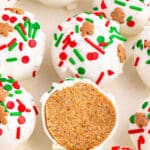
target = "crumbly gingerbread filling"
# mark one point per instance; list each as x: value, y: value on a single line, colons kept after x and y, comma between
x: 79, y: 117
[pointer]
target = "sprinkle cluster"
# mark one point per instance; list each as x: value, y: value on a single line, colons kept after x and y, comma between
x: 12, y: 105
x: 121, y: 5
x: 140, y: 122
x: 14, y: 21
x: 73, y: 54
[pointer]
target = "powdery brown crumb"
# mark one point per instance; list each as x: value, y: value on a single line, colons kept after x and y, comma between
x: 79, y: 117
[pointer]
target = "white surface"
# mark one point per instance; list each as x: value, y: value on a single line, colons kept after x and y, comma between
x: 128, y: 88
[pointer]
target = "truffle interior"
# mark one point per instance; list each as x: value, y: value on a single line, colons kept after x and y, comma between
x: 79, y: 117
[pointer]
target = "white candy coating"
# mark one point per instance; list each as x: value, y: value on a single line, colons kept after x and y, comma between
x: 7, y: 3
x: 142, y: 55
x: 70, y: 4
x: 142, y: 136
x: 136, y: 14
x: 74, y: 55
x: 21, y: 113
x: 21, y: 54
x: 68, y: 83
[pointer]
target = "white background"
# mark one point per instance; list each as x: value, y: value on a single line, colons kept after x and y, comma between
x: 128, y: 88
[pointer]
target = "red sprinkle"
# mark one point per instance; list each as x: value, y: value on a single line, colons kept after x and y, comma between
x: 5, y: 17
x: 25, y: 59
x: 92, y: 56
x: 63, y: 56
x: 12, y: 42
x: 13, y: 19
x: 34, y: 73
x: 21, y: 108
x: 23, y: 29
x: 107, y: 23
x: 21, y: 120
x: 79, y: 19
x: 60, y: 27
x: 10, y: 105
x: 110, y: 72
x: 3, y: 47
x: 137, y: 61
x: 21, y: 46
x: 103, y: 5
x: 60, y: 63
x: 140, y: 141
x: 18, y: 133
x: 35, y: 110
x: 1, y: 132
x: 16, y: 85
x: 135, y: 131
x: 100, y: 78
x: 94, y: 46
x: 32, y: 43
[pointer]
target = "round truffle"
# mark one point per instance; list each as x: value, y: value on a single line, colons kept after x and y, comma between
x: 87, y: 45
x: 140, y: 126
x: 141, y: 51
x: 22, y: 43
x: 77, y: 114
x: 17, y: 113
x: 132, y: 15
x: 6, y: 3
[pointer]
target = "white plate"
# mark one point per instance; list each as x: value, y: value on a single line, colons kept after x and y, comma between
x: 128, y: 88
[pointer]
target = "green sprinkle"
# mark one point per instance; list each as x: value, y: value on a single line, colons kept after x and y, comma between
x: 3, y: 79
x: 77, y: 53
x: 51, y: 89
x: 10, y: 95
x: 11, y: 80
x: 132, y: 119
x: 101, y: 16
x: 36, y: 27
x: 17, y: 27
x: 95, y: 8
x: 55, y: 36
x: 13, y: 46
x: 30, y: 29
x: 87, y: 12
x: 148, y: 62
x: 120, y: 3
x: 26, y: 23
x: 148, y: 116
x: 13, y: 59
x: 70, y: 79
x: 118, y: 37
x: 15, y: 114
x: 77, y: 29
x: 148, y: 52
x: 81, y: 70
x: 136, y: 8
x: 145, y: 104
x: 59, y: 40
x: 89, y: 20
x: 18, y: 92
x: 133, y: 47
x: 140, y: 44
x: 72, y: 61
x: 8, y: 87
x: 129, y: 18
x: 100, y: 39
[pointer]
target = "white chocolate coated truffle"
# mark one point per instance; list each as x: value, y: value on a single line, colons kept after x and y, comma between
x: 68, y: 83
x: 132, y: 14
x: 89, y: 46
x: 17, y: 113
x: 140, y: 126
x: 141, y: 51
x: 22, y: 43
